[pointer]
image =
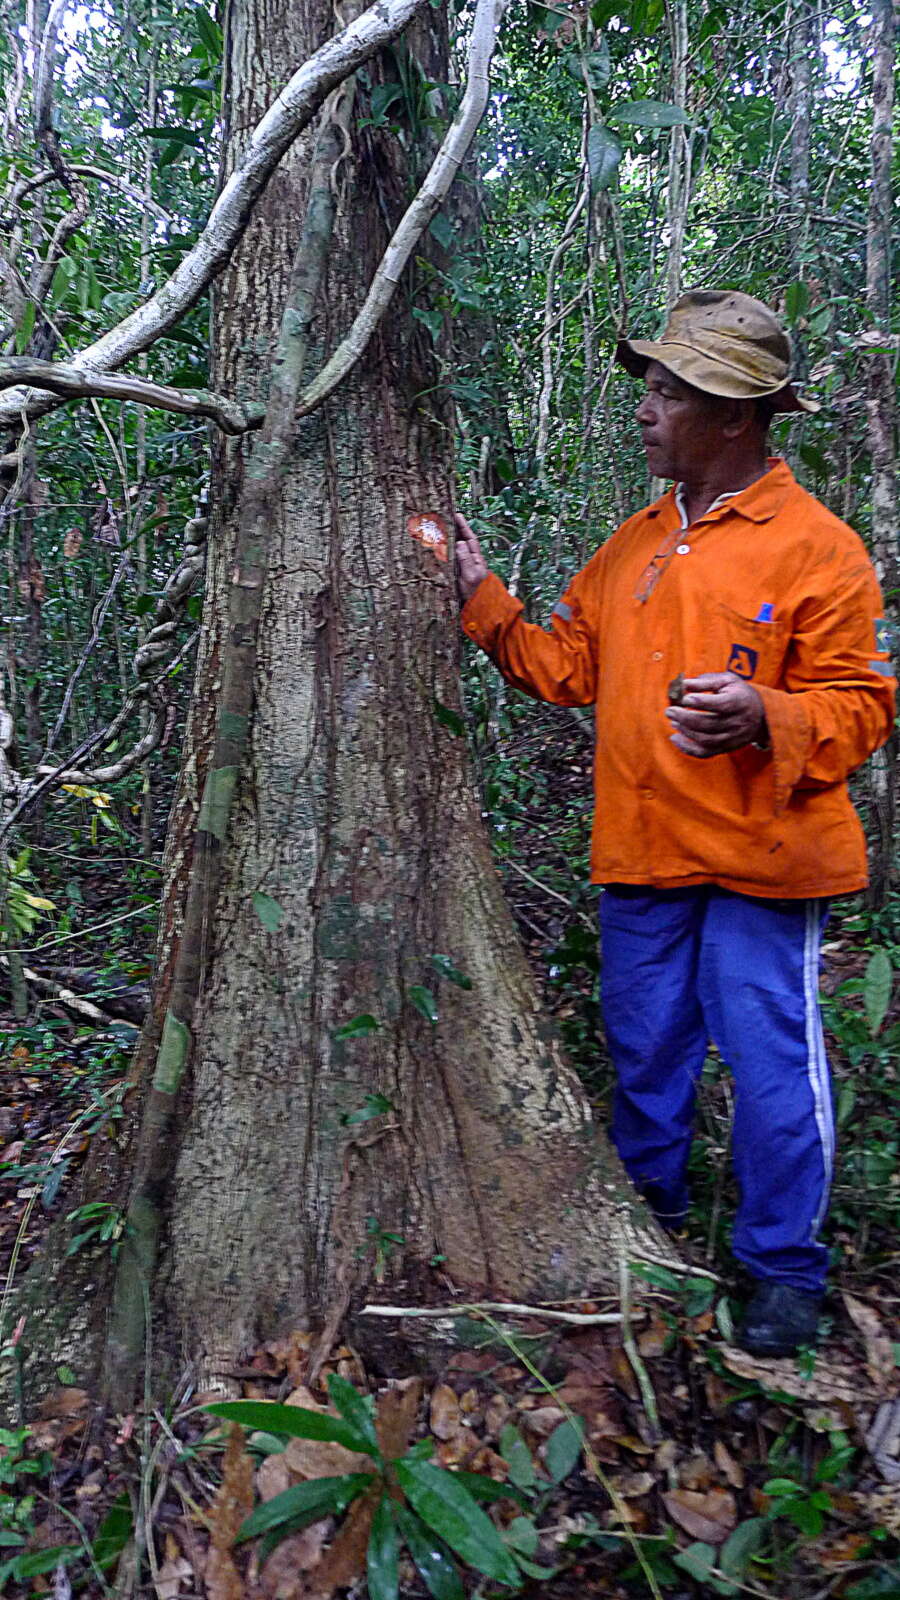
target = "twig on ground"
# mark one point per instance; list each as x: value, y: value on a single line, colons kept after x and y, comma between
x: 578, y: 1319
x: 631, y: 1350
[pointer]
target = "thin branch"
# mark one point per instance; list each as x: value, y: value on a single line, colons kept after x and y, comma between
x: 78, y: 383
x: 43, y: 91
x: 420, y: 212
x: 26, y: 186
x: 578, y: 1319
x: 291, y: 111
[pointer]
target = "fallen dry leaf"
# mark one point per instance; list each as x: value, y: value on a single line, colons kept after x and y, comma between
x: 696, y: 1472
x: 444, y: 1411
x: 495, y: 1414
x: 542, y: 1421
x: 232, y: 1505
x: 880, y: 1363
x: 285, y: 1575
x: 727, y: 1465
x: 72, y: 543
x: 632, y: 1485
x: 395, y: 1416
x: 172, y: 1574
x: 63, y: 1403
x: 883, y: 1440
x: 273, y: 1476
x: 653, y: 1340
x: 345, y: 1558
x: 832, y: 1379
x: 847, y: 1548
x: 883, y: 1508
x: 710, y: 1517
x: 318, y: 1458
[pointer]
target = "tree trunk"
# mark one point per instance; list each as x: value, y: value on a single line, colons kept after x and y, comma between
x: 881, y: 412
x: 356, y: 853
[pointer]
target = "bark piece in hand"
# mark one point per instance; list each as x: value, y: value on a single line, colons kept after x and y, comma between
x: 676, y: 691
x: 431, y: 531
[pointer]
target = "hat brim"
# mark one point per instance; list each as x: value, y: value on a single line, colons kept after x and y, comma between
x: 704, y: 372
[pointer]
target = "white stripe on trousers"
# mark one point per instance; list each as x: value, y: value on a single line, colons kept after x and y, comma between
x: 816, y: 1063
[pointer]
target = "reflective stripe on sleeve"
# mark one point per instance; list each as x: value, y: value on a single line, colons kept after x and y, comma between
x: 562, y: 610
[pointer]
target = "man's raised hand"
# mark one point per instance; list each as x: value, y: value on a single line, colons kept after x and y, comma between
x: 719, y: 712
x: 471, y: 566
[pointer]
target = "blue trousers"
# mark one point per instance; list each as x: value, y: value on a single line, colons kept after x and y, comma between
x: 681, y: 967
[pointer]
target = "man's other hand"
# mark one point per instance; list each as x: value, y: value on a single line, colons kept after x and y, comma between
x: 719, y: 712
x: 471, y: 566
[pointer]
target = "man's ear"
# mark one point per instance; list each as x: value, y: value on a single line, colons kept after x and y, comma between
x: 738, y: 416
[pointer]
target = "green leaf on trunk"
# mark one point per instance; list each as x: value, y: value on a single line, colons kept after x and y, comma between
x: 424, y: 1002
x: 445, y: 1505
x: 877, y: 985
x: 215, y: 807
x: 383, y: 1553
x: 270, y: 913
x: 448, y: 718
x: 357, y: 1028
x: 445, y: 967
x: 296, y: 1421
x: 375, y: 1105
x: 649, y: 114
x: 173, y: 1050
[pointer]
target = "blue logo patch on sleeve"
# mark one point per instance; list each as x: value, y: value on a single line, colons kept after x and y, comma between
x: 884, y: 635
x: 742, y: 661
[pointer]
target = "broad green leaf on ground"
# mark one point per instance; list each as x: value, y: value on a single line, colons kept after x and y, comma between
x: 296, y: 1421
x: 383, y: 1554
x: 305, y: 1502
x: 563, y: 1449
x: 447, y: 1507
x: 433, y: 1560
x: 356, y: 1409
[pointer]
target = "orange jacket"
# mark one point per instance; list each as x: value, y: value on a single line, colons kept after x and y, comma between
x: 767, y: 584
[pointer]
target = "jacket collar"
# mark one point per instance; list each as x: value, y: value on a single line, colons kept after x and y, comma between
x: 759, y: 502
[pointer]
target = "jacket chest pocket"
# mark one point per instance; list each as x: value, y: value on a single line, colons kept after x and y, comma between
x: 750, y: 648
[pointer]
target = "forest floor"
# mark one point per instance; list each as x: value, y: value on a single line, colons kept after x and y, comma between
x: 645, y: 1455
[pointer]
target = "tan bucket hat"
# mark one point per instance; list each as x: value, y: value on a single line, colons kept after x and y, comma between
x: 722, y: 342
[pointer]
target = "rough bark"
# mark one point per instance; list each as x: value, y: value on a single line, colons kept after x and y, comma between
x: 881, y: 413
x: 356, y: 815
x: 355, y: 852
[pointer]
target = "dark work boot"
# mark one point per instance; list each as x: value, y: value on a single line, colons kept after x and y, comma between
x: 779, y: 1319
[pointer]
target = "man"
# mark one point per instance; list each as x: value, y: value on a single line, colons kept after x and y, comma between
x: 722, y: 821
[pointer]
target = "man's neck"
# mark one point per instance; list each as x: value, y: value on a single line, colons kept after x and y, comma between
x: 701, y: 493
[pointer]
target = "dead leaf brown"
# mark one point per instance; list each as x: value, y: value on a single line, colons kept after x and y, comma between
x: 710, y: 1517
x: 231, y: 1506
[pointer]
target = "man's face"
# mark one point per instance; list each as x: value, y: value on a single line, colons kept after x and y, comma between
x: 682, y: 427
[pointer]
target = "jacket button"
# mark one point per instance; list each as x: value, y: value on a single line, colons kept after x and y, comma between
x: 649, y: 794
x: 657, y: 655
x: 682, y: 549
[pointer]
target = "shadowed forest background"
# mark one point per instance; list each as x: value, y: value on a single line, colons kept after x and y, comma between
x: 626, y: 152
